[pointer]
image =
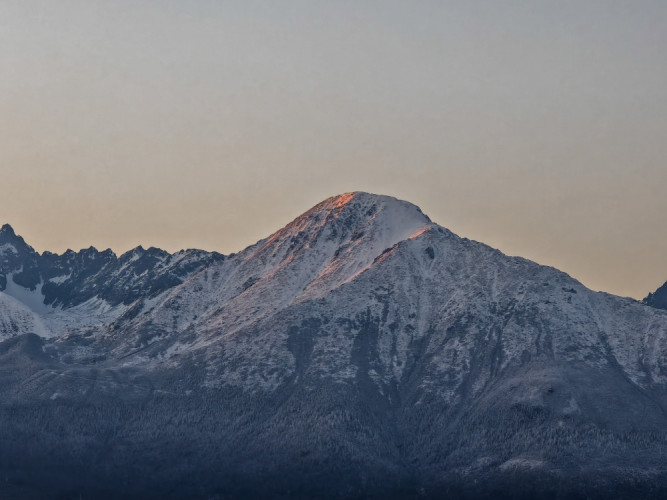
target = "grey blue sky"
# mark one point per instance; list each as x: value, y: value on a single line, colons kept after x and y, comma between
x: 538, y: 127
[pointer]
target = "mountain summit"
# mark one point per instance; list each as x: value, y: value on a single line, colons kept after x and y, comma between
x: 658, y: 298
x: 362, y: 350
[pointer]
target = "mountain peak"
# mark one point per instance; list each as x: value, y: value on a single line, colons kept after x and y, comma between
x: 332, y: 242
x: 357, y: 200
x: 658, y: 298
x: 6, y: 229
x: 8, y: 236
x: 346, y: 218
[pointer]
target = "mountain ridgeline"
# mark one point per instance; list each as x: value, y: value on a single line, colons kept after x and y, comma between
x: 362, y: 351
x: 74, y: 277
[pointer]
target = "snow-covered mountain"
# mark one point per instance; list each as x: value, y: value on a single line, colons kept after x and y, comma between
x: 362, y: 350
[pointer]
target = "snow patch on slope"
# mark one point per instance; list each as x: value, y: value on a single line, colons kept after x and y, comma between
x: 94, y: 312
x: 23, y: 311
x: 32, y: 299
x: 16, y: 319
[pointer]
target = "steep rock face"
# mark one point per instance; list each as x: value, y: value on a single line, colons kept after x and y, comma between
x: 658, y: 298
x: 361, y: 350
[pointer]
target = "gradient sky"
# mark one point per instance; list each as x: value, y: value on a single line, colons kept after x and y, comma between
x: 539, y: 128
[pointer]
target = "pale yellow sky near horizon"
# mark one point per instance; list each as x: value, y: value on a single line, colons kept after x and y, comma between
x: 539, y: 128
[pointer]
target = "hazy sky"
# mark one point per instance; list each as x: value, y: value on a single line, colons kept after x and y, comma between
x: 539, y: 128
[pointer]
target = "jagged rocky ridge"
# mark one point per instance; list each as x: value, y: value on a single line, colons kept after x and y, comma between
x: 362, y: 350
x: 53, y: 294
x: 75, y: 277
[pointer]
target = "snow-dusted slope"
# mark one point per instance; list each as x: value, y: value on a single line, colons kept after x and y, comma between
x: 319, y: 251
x: 359, y: 254
x: 343, y: 255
